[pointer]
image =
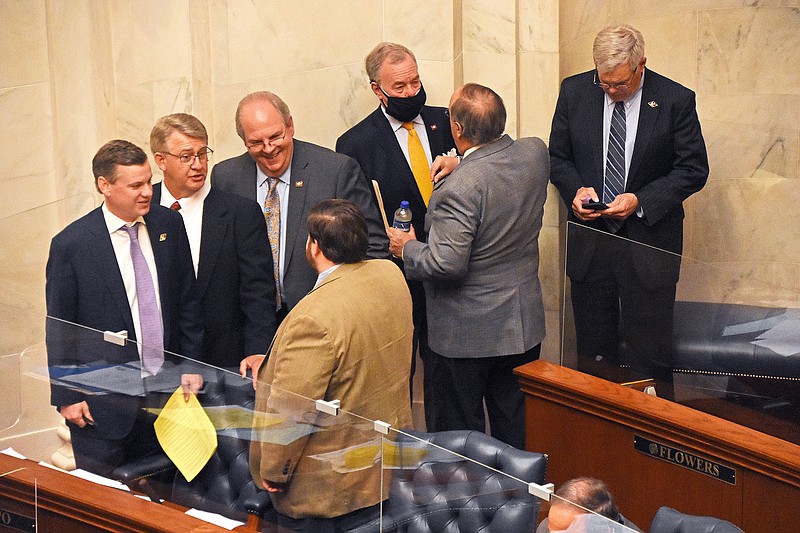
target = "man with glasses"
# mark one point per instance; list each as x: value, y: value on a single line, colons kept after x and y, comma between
x: 626, y: 150
x: 228, y: 241
x: 287, y: 177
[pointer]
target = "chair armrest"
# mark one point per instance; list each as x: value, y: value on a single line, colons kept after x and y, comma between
x: 258, y: 504
x: 151, y: 475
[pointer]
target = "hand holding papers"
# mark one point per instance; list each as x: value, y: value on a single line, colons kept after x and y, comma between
x: 186, y: 434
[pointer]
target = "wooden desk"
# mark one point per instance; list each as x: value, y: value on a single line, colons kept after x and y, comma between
x: 70, y: 504
x: 588, y: 426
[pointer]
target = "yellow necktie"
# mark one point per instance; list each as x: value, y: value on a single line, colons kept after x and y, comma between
x: 272, y: 214
x: 419, y: 163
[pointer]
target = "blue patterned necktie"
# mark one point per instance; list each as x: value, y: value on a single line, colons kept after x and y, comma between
x: 614, y: 182
x: 152, y: 340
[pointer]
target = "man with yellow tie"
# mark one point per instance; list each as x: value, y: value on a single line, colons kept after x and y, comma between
x: 395, y: 146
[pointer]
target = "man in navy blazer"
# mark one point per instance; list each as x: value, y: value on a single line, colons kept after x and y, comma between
x: 306, y: 174
x: 91, y: 288
x: 618, y: 285
x: 380, y: 145
x: 228, y: 239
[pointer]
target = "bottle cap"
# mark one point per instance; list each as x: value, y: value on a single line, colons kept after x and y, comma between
x: 404, y: 204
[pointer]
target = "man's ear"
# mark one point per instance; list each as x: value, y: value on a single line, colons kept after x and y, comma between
x: 103, y: 184
x: 160, y: 160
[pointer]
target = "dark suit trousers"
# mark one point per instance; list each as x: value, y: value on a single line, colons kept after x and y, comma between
x: 274, y: 522
x: 464, y: 383
x: 619, y: 318
x: 425, y: 354
x: 102, y: 455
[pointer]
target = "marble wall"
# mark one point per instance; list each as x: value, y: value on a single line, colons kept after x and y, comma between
x: 75, y: 74
x: 741, y: 242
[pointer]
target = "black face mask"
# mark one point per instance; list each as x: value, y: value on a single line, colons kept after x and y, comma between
x: 405, y: 109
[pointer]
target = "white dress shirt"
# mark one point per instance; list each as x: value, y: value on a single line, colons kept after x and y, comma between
x: 192, y: 213
x: 402, y: 135
x: 122, y: 250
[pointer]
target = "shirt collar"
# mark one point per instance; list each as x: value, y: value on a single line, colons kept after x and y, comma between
x: 325, y: 273
x: 188, y: 203
x: 284, y: 178
x: 114, y: 223
x: 396, y: 124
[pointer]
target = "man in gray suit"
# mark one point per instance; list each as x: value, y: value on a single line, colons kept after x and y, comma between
x: 480, y: 267
x: 299, y: 175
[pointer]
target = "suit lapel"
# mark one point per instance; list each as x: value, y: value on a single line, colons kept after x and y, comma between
x: 297, y: 200
x: 100, y: 247
x: 595, y: 110
x: 386, y: 141
x: 212, y: 237
x: 647, y: 118
x: 436, y: 133
x: 160, y: 243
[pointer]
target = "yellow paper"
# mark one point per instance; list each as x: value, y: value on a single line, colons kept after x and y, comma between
x: 186, y: 434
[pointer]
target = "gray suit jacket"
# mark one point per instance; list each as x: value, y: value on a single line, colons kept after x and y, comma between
x: 317, y: 174
x: 481, y: 262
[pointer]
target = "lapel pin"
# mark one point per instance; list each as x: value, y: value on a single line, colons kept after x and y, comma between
x: 162, y: 237
x: 298, y: 183
x: 433, y: 127
x: 652, y: 103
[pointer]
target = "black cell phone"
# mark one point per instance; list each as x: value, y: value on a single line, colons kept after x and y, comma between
x: 595, y: 206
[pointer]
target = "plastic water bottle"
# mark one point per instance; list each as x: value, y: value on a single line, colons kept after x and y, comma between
x: 402, y: 217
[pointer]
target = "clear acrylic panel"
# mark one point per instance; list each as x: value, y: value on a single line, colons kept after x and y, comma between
x: 26, y: 241
x: 10, y: 385
x: 457, y: 481
x: 733, y: 348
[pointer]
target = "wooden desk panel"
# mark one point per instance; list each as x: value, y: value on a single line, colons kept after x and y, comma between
x: 70, y: 504
x: 587, y: 427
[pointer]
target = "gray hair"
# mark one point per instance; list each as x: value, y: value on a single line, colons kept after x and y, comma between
x: 481, y: 113
x: 615, y: 45
x: 262, y: 96
x: 392, y: 52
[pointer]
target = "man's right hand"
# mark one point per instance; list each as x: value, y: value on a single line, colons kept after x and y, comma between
x: 77, y: 413
x: 585, y: 194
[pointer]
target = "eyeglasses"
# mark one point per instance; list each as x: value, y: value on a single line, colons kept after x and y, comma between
x: 616, y: 86
x: 188, y: 159
x: 272, y: 142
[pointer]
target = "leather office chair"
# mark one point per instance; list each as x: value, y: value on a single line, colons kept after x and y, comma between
x: 450, y: 494
x: 224, y: 486
x: 668, y: 520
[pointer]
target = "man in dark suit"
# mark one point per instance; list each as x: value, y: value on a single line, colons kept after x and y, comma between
x: 480, y: 267
x: 299, y: 175
x: 628, y: 137
x: 97, y: 281
x: 228, y: 239
x: 380, y: 144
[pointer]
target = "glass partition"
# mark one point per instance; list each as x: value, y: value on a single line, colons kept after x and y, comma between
x: 730, y: 346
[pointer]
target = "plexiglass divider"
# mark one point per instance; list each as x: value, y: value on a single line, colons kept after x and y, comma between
x: 734, y: 348
x: 305, y: 445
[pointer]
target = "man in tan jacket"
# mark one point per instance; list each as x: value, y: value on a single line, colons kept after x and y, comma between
x: 349, y: 339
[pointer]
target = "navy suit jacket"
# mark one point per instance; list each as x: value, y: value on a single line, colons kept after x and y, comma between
x: 669, y: 163
x: 84, y: 289
x: 317, y: 174
x: 373, y: 143
x: 235, y: 280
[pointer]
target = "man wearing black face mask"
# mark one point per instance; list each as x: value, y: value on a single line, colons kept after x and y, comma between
x: 397, y: 145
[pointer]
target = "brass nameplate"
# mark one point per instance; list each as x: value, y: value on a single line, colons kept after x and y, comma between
x: 685, y: 459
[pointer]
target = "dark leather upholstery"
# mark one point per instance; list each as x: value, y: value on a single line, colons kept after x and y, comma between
x: 445, y: 493
x: 701, y: 341
x: 669, y: 520
x: 225, y: 485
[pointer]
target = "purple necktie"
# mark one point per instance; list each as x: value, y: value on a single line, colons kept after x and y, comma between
x: 614, y: 183
x: 152, y: 340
